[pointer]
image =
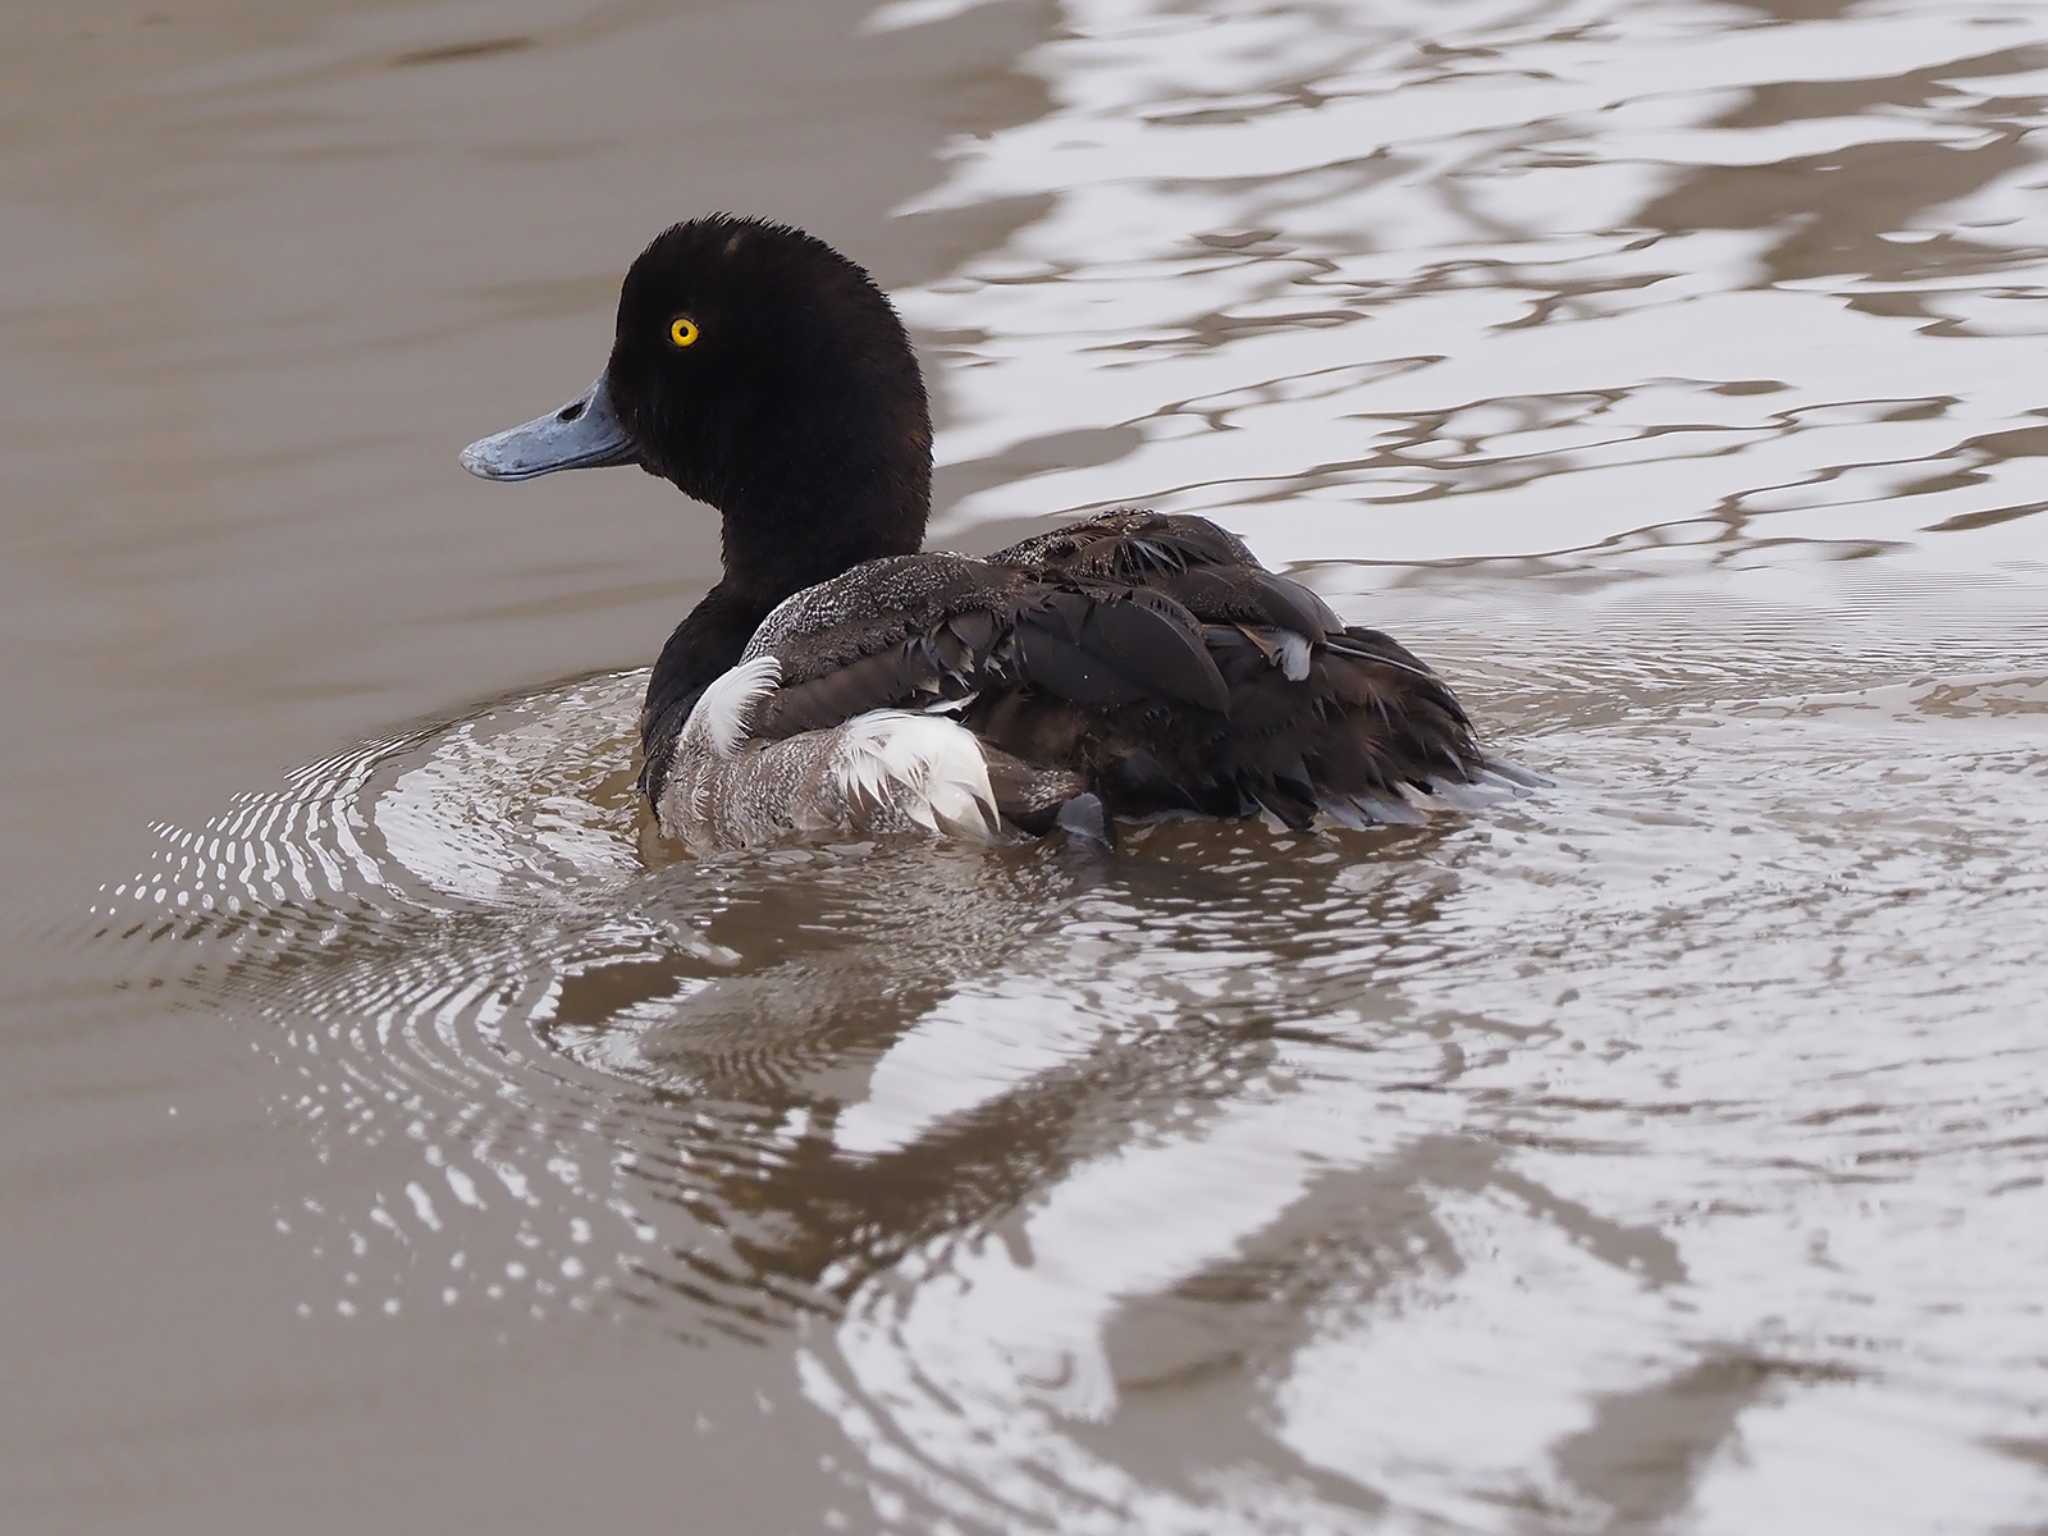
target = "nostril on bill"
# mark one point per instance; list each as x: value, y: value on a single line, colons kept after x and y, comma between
x: 570, y: 411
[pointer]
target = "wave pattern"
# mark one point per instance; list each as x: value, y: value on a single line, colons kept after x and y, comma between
x: 1630, y: 1121
x: 1594, y: 288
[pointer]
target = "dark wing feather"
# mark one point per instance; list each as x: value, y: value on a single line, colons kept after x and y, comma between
x: 1205, y: 568
x: 1149, y: 658
x: 1315, y: 711
x: 888, y: 677
x: 1096, y: 647
x: 1108, y: 647
x: 1128, y: 545
x: 1250, y: 595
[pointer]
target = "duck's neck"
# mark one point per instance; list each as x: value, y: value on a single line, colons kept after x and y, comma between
x: 778, y: 540
x: 822, y: 489
x: 705, y: 644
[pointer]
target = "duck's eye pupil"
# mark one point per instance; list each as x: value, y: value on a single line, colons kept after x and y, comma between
x: 683, y: 331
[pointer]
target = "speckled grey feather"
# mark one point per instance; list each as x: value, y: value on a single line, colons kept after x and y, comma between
x: 887, y: 771
x: 894, y: 584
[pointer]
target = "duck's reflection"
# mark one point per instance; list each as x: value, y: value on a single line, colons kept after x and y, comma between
x: 1124, y: 994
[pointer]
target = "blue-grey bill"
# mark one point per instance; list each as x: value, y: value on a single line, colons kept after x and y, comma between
x: 583, y: 434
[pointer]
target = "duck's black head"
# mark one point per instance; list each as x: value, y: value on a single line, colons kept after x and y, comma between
x: 763, y: 373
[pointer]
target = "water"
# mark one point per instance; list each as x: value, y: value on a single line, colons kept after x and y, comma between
x: 409, y: 1133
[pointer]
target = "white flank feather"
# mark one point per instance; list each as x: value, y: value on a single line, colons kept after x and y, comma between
x: 1293, y: 655
x: 724, y: 716
x: 925, y: 766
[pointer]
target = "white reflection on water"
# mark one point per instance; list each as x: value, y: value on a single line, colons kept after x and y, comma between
x: 1496, y: 255
x: 1701, y: 1097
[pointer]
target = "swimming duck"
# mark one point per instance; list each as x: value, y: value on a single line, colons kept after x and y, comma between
x: 836, y: 679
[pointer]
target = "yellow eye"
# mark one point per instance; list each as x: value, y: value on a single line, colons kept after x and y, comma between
x: 683, y: 331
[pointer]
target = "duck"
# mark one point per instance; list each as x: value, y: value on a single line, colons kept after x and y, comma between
x: 839, y: 679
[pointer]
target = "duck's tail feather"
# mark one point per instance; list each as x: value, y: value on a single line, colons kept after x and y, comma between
x: 925, y: 767
x: 1498, y: 770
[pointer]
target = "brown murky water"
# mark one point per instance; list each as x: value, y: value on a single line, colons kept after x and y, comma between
x: 394, y: 1137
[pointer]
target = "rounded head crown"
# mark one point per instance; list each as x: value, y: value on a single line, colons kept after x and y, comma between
x: 746, y: 349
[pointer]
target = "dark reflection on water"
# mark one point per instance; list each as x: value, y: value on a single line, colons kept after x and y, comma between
x: 1665, y: 1149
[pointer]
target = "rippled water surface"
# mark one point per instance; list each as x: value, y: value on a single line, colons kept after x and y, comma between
x: 1661, y: 1151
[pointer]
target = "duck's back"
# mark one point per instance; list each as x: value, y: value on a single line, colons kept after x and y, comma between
x: 1147, y: 659
x: 1320, y: 717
